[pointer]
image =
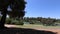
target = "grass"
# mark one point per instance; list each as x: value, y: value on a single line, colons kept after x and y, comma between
x: 36, y: 26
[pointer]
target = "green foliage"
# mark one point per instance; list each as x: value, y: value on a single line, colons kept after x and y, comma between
x: 19, y: 23
x: 31, y: 22
x: 0, y: 17
x: 8, y: 21
x: 40, y: 20
x: 43, y: 21
x: 15, y: 22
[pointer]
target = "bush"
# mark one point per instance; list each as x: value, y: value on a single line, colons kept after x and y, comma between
x: 32, y: 23
x: 49, y: 24
x: 8, y: 21
x: 21, y: 22
x: 14, y: 22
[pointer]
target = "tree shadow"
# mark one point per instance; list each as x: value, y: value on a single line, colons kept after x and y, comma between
x: 24, y: 31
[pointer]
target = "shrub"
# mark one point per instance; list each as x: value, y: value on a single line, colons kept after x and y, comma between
x: 8, y: 21
x: 21, y: 22
x: 14, y: 22
x: 32, y: 23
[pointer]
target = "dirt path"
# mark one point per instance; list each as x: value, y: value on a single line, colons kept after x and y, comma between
x: 53, y: 30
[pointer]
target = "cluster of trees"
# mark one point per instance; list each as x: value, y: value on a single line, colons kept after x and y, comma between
x: 32, y: 20
x: 40, y: 20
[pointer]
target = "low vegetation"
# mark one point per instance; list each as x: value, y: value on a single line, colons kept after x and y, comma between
x: 38, y: 20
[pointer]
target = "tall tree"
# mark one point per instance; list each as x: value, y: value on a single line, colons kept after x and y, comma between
x: 15, y: 5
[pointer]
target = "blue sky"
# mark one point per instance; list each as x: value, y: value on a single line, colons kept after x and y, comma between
x: 43, y: 8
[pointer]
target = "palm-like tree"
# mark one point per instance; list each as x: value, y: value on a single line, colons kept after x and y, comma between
x: 14, y: 5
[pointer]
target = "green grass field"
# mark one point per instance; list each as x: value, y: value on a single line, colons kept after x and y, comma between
x: 36, y: 26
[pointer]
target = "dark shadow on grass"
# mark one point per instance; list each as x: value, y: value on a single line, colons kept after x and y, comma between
x: 24, y: 31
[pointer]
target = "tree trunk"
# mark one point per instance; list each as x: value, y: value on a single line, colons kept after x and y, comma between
x: 2, y: 22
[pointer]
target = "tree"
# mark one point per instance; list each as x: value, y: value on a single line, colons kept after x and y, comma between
x: 14, y: 5
x: 16, y: 14
x: 18, y: 9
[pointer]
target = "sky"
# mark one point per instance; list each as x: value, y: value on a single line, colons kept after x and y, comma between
x: 43, y: 8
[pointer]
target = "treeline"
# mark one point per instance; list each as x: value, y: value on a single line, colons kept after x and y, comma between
x: 41, y: 20
x: 32, y: 20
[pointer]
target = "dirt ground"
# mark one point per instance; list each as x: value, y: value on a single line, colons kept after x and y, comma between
x: 53, y: 30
